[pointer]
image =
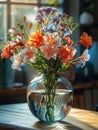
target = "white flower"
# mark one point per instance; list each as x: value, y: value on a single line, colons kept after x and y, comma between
x: 84, y: 57
x: 11, y: 30
x: 74, y: 52
x: 18, y: 38
x: 17, y: 61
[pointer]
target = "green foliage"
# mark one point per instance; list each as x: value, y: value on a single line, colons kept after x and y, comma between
x: 89, y: 7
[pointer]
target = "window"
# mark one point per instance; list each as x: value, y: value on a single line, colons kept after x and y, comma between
x: 12, y: 11
x: 3, y: 21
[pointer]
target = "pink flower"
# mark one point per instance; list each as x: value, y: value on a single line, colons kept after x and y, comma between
x: 84, y: 57
x: 49, y: 51
x: 29, y: 54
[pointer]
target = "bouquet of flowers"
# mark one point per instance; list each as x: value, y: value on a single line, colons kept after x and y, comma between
x: 49, y: 48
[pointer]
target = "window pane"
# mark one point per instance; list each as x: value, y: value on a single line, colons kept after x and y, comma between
x: 18, y: 12
x: 25, y: 1
x: 2, y: 0
x: 3, y: 22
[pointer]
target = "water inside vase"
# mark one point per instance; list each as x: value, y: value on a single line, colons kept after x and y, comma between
x: 37, y: 101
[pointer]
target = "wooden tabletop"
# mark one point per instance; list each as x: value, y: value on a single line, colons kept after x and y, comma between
x: 19, y: 117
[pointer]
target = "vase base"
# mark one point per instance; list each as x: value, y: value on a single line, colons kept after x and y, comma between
x: 43, y: 125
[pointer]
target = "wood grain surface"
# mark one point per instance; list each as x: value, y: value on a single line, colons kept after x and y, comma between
x: 19, y: 117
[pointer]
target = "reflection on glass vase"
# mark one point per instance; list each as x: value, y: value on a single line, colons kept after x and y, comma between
x: 50, y: 105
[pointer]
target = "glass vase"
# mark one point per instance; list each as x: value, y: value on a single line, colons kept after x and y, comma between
x: 50, y: 103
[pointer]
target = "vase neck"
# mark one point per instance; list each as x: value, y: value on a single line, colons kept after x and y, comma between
x: 49, y: 81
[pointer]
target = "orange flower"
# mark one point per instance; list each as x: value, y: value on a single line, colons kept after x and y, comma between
x: 30, y: 26
x: 85, y: 40
x: 36, y: 39
x: 24, y: 19
x: 7, y: 52
x: 51, y: 39
x: 68, y: 39
x: 66, y: 53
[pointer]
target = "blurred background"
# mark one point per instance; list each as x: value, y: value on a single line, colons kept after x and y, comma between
x: 13, y: 83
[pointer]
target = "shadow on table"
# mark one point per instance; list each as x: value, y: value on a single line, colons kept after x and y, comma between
x: 56, y: 126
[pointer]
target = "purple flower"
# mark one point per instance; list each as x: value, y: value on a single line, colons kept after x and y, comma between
x: 39, y: 17
x: 47, y: 10
x: 56, y: 20
x: 60, y: 14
